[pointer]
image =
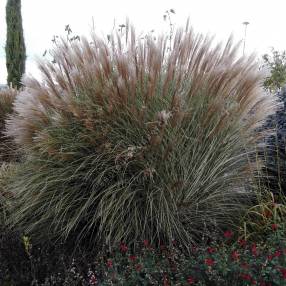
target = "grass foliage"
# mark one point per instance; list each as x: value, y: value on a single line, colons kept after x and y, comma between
x: 7, y: 150
x: 127, y: 139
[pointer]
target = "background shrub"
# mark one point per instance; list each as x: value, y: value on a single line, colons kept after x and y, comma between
x: 125, y: 139
x: 274, y: 173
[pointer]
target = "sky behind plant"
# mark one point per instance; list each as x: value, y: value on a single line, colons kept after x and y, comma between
x: 44, y: 19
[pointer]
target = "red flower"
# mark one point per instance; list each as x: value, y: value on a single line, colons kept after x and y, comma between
x: 254, y: 249
x: 277, y: 253
x: 146, y: 242
x: 245, y: 277
x: 269, y: 257
x: 190, y: 280
x: 132, y: 257
x: 92, y: 280
x: 228, y: 234
x: 235, y: 255
x: 283, y: 272
x: 209, y: 261
x: 211, y: 250
x: 242, y: 242
x: 109, y: 263
x: 123, y: 247
x: 138, y: 267
x: 274, y: 226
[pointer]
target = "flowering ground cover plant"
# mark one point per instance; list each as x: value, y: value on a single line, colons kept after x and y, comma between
x: 226, y: 261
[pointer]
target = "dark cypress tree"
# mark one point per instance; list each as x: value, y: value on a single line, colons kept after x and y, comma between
x: 15, y: 45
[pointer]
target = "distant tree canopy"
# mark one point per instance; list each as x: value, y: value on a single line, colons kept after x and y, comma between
x: 15, y: 45
x: 276, y: 63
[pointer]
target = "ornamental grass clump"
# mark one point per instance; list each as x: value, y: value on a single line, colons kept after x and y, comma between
x: 127, y: 139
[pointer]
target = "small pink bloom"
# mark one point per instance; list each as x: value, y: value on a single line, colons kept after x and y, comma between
x: 274, y: 226
x: 211, y: 250
x: 132, y: 257
x: 277, y: 253
x: 246, y: 277
x: 190, y: 280
x: 138, y: 267
x: 123, y: 247
x: 254, y: 249
x: 269, y: 257
x: 92, y: 280
x: 235, y: 255
x: 228, y: 234
x: 283, y: 272
x: 109, y: 263
x: 209, y: 261
x: 242, y: 242
x: 146, y: 242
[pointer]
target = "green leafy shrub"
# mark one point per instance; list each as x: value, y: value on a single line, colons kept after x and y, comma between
x: 273, y: 175
x: 276, y: 64
x: 125, y: 139
x: 238, y: 263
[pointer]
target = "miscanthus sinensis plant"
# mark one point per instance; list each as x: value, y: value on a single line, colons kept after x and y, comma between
x: 126, y: 139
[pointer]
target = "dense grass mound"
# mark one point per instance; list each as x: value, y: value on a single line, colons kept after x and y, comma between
x: 127, y: 139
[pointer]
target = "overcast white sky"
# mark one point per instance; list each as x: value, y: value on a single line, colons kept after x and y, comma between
x: 42, y: 19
